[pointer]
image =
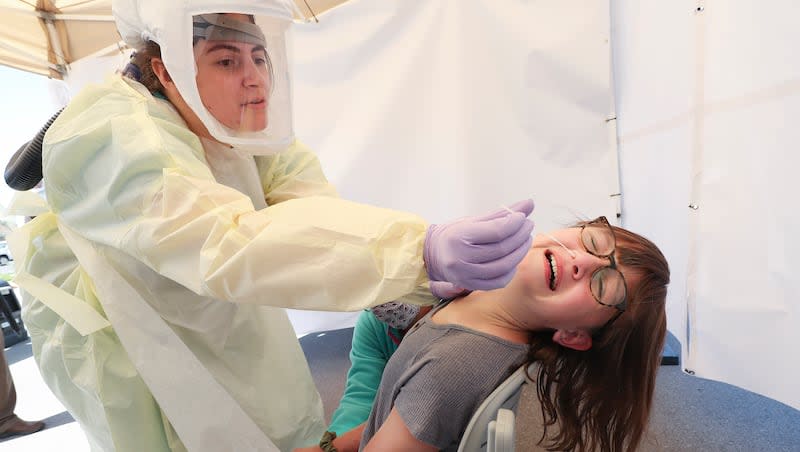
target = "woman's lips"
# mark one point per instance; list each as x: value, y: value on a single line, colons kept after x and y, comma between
x: 258, y: 104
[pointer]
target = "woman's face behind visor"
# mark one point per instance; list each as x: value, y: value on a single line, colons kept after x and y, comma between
x: 234, y: 72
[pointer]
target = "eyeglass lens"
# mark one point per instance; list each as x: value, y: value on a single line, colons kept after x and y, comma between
x: 607, y: 285
x: 598, y: 239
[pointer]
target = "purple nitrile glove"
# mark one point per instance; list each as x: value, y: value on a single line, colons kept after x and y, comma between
x: 444, y: 290
x: 479, y: 253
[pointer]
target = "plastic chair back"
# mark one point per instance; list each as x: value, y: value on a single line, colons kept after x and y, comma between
x: 491, y: 428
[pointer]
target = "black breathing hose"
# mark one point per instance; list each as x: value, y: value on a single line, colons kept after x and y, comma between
x: 24, y: 170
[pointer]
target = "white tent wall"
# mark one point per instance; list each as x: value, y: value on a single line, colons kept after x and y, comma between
x: 704, y: 93
x: 453, y: 107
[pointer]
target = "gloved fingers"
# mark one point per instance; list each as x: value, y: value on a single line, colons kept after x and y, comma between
x: 444, y: 290
x: 524, y: 207
x: 497, y: 230
x: 493, y: 274
x: 480, y: 253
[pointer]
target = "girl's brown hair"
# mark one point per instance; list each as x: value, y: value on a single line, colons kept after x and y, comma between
x: 600, y: 399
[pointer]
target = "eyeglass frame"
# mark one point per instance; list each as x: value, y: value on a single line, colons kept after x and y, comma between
x: 623, y: 305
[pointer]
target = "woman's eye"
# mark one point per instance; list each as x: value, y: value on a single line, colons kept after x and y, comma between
x: 228, y: 61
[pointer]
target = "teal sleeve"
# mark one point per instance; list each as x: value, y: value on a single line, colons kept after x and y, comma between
x: 371, y: 349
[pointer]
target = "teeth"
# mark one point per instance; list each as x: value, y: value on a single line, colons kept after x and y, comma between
x: 554, y: 271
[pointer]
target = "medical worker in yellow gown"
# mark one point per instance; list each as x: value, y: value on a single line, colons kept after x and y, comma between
x: 184, y: 216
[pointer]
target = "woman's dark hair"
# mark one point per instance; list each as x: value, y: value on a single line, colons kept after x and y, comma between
x: 601, y: 398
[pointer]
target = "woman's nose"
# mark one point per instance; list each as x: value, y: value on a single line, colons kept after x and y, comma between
x: 252, y: 76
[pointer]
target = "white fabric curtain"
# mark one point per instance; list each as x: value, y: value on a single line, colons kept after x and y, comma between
x: 706, y: 91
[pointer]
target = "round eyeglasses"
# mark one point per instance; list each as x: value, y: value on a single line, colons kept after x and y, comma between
x: 607, y: 284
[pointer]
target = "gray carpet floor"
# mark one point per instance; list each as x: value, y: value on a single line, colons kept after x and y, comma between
x: 690, y: 414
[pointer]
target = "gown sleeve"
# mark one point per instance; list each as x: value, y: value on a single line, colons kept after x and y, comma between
x: 124, y: 172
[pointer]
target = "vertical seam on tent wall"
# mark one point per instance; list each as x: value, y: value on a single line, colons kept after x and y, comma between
x: 698, y: 133
x: 611, y: 123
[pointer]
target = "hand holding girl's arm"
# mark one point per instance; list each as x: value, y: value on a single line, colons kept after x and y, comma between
x: 348, y: 442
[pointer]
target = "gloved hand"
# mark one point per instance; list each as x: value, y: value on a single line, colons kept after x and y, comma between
x: 478, y: 253
x: 444, y: 290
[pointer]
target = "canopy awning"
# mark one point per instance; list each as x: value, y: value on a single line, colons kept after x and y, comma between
x: 46, y: 36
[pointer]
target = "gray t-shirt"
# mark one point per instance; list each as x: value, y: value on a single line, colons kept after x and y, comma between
x: 437, y: 378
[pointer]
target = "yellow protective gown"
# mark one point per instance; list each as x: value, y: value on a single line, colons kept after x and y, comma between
x: 153, y: 293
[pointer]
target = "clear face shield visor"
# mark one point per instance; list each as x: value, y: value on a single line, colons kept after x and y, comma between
x: 241, y: 89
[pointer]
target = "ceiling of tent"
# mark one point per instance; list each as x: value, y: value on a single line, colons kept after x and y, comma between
x: 45, y: 36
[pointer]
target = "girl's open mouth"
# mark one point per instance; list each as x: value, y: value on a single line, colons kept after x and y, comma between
x: 553, y: 273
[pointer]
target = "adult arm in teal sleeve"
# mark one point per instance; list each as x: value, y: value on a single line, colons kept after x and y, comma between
x: 371, y: 349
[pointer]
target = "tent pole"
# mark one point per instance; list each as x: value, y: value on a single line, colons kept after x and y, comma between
x: 55, y: 43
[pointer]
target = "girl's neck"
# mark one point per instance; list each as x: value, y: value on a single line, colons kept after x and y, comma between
x: 485, y: 312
